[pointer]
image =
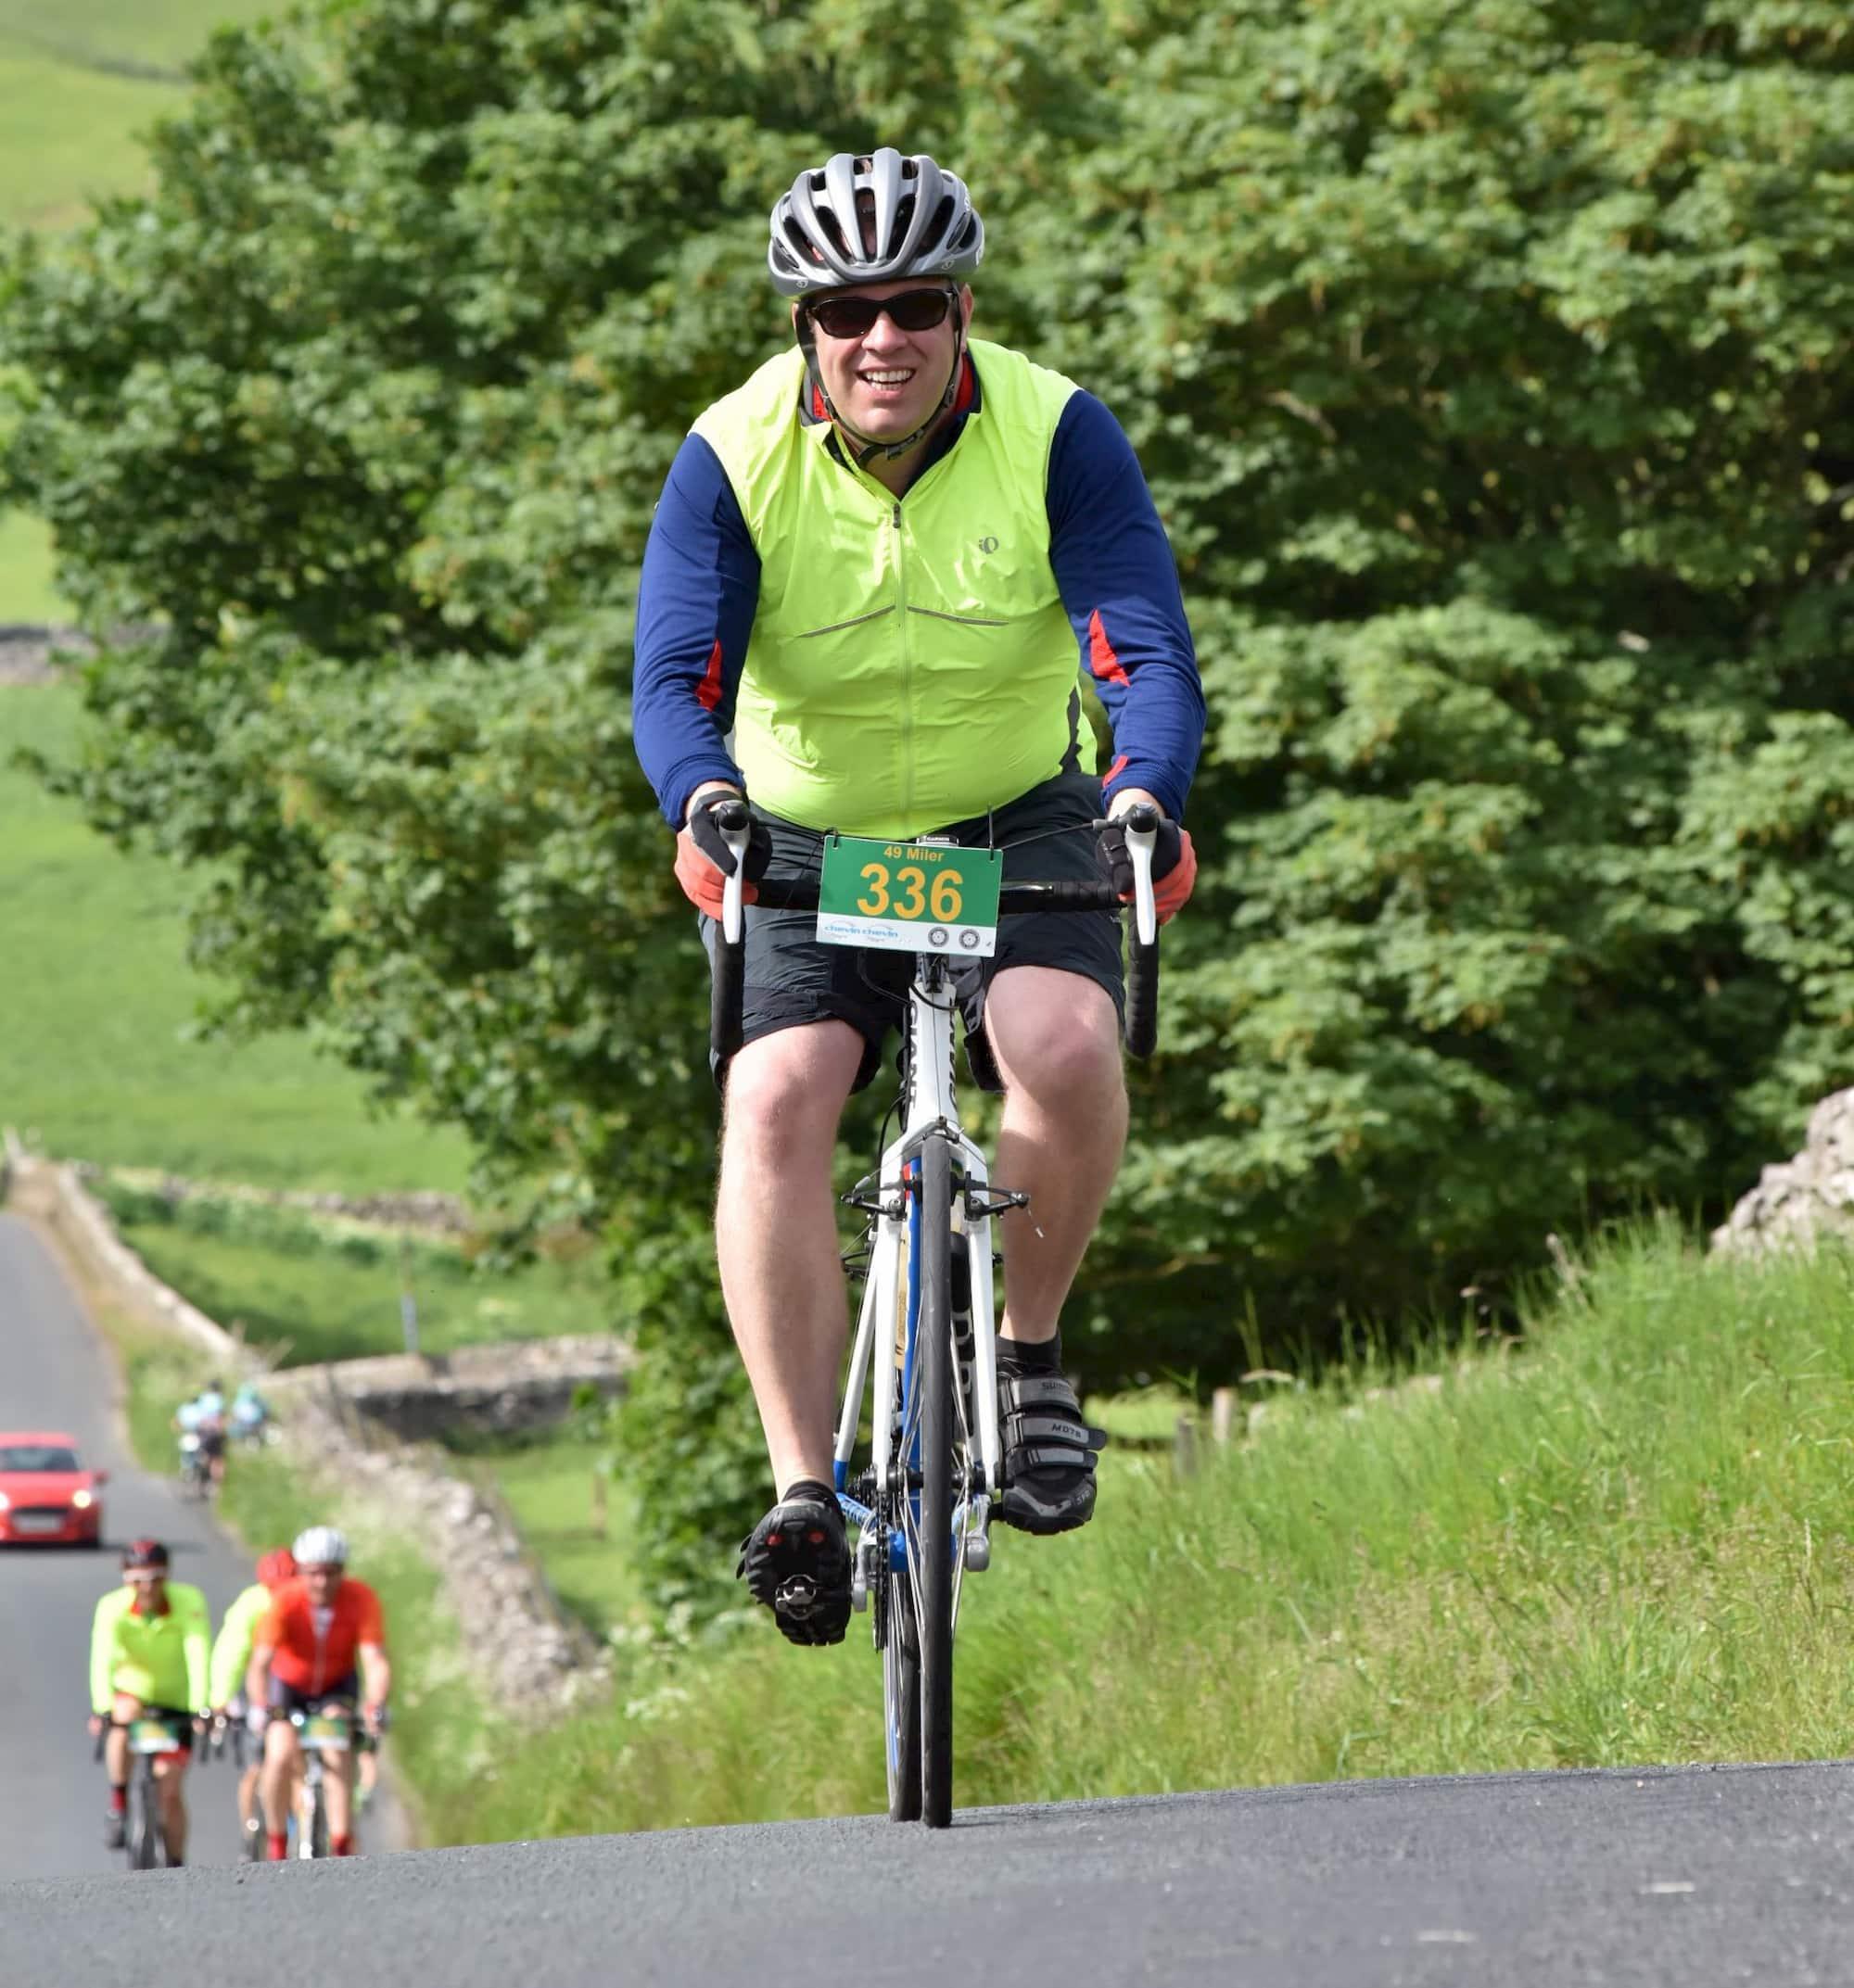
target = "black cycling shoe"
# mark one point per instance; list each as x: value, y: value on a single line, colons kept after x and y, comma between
x: 114, y: 1830
x: 797, y: 1561
x: 1048, y: 1454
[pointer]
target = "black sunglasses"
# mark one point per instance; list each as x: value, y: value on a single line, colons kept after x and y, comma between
x: 853, y: 317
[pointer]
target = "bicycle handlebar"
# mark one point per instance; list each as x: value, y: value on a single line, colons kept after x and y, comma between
x: 800, y: 893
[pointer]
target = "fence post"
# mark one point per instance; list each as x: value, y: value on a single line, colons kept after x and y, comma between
x: 1185, y: 1446
x: 1223, y: 1416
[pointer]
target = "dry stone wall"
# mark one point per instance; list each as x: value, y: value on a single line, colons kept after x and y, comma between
x: 1806, y: 1197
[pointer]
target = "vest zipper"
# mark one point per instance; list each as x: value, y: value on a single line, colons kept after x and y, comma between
x: 904, y: 807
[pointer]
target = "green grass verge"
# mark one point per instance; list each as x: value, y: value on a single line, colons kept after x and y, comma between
x: 1628, y: 1542
x: 96, y: 1059
x: 302, y: 1290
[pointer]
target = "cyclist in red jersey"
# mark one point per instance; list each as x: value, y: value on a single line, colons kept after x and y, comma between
x: 324, y: 1635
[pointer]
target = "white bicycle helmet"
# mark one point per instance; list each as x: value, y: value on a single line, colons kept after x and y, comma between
x: 320, y: 1546
x: 873, y: 219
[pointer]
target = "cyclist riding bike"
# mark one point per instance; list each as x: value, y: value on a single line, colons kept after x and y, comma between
x: 875, y: 574
x: 231, y: 1658
x: 203, y: 1417
x: 322, y: 1643
x: 149, y: 1641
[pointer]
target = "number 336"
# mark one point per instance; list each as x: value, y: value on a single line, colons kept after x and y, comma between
x: 915, y: 896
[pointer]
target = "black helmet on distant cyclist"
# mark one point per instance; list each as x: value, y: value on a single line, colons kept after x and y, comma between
x: 320, y: 1546
x: 145, y: 1553
x: 872, y: 218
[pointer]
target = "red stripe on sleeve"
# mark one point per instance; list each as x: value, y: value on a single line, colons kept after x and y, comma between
x: 708, y: 691
x: 1114, y: 771
x: 1101, y: 658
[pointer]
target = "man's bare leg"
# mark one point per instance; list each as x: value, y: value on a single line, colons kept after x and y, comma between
x: 776, y: 1235
x: 1056, y: 1039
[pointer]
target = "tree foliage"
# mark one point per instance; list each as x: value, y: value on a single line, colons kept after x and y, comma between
x: 1490, y: 368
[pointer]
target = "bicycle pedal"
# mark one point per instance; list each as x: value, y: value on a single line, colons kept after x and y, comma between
x: 796, y: 1597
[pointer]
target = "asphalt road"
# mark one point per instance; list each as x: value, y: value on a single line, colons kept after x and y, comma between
x: 56, y: 1374
x: 1695, y: 1876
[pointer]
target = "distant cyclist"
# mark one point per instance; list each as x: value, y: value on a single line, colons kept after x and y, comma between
x: 150, y: 1644
x: 250, y: 1414
x: 875, y: 575
x: 204, y: 1418
x: 321, y: 1643
x: 231, y: 1659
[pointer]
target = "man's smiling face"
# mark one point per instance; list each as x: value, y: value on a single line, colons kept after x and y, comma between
x: 888, y: 382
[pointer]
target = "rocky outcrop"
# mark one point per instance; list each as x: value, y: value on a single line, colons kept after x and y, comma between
x: 1810, y: 1195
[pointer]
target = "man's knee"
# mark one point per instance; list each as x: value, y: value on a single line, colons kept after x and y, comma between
x: 1056, y: 1036
x: 787, y: 1090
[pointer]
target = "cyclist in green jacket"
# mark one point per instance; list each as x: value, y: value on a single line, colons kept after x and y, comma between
x: 231, y: 1655
x: 877, y: 572
x: 150, y: 1641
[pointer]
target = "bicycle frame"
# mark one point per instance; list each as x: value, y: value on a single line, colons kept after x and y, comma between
x: 891, y: 1303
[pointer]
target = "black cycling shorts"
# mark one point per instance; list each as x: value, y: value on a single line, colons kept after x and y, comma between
x: 792, y: 980
x: 285, y: 1698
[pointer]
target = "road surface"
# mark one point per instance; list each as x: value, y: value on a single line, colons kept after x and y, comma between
x: 1696, y: 1877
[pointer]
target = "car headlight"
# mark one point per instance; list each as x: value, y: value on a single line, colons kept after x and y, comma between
x: 4, y: 1500
x: 82, y: 1500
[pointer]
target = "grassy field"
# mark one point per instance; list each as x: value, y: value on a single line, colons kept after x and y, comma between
x: 96, y: 1060
x: 1628, y: 1542
x: 302, y: 1291
x: 80, y: 81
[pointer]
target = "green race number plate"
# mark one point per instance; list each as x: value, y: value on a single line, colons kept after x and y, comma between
x: 909, y: 897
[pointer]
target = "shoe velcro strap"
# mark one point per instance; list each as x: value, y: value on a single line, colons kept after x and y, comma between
x: 1021, y: 1430
x: 1038, y: 1457
x: 1038, y: 1390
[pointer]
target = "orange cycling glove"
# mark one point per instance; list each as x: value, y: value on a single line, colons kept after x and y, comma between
x: 1175, y: 865
x: 704, y: 862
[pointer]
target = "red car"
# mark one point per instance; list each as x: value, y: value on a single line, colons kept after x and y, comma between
x: 47, y: 1495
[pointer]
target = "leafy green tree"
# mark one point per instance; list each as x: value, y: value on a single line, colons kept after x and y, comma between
x: 1491, y: 371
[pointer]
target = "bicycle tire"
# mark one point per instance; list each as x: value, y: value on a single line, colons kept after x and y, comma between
x: 901, y: 1701
x: 318, y: 1823
x: 146, y: 1851
x: 934, y: 1365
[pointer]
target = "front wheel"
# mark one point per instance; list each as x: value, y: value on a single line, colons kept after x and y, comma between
x: 145, y: 1824
x: 933, y: 1358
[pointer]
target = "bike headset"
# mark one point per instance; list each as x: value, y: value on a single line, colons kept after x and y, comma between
x: 876, y: 217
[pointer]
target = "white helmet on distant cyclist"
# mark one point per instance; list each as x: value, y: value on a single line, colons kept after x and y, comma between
x: 320, y: 1546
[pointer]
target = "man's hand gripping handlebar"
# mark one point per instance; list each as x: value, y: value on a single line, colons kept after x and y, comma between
x: 1141, y: 826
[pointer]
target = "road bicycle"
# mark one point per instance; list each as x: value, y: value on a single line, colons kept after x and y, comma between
x: 329, y: 1730
x: 924, y: 1341
x: 155, y: 1734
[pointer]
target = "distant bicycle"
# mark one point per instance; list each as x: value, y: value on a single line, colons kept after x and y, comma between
x: 330, y: 1731
x: 159, y: 1732
x: 195, y: 1467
